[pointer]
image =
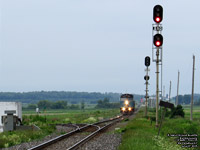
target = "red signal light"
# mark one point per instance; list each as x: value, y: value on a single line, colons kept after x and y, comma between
x: 157, y: 19
x: 157, y: 43
x: 158, y: 40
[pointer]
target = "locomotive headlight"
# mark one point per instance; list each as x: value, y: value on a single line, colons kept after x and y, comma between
x: 129, y: 108
x: 126, y: 102
x: 123, y: 108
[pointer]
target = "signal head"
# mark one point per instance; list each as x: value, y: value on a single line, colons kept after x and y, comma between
x: 157, y: 13
x: 147, y: 61
x: 158, y: 40
x: 146, y: 77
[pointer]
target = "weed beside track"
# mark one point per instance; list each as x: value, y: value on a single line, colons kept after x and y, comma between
x: 141, y: 133
x: 8, y: 139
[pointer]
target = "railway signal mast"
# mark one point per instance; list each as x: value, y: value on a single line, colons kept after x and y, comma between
x: 146, y: 78
x: 157, y: 48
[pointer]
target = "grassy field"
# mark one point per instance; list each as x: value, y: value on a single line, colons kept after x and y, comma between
x: 141, y: 133
x: 70, y: 116
x: 196, y: 112
x: 43, y: 120
x: 58, y: 111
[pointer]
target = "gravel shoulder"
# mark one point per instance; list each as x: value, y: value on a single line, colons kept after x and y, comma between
x: 27, y: 145
x: 109, y: 140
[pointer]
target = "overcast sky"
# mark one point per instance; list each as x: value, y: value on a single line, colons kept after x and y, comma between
x: 95, y: 46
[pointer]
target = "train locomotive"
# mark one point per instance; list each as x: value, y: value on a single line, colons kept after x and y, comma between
x: 127, y: 104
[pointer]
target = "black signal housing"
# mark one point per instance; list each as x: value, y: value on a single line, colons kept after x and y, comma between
x: 158, y: 13
x: 158, y: 40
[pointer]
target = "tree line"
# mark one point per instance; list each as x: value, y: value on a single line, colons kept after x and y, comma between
x: 186, y: 99
x: 106, y: 104
x: 46, y: 104
x: 77, y: 97
x: 70, y: 96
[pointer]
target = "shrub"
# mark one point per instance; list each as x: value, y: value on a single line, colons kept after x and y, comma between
x: 152, y: 110
x: 90, y: 120
x: 167, y: 112
x: 38, y: 118
x: 177, y: 111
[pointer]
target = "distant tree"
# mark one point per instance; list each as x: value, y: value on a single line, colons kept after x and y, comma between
x: 74, y: 102
x: 93, y: 102
x: 114, y: 105
x: 31, y: 106
x: 103, y: 104
x: 44, y: 104
x: 180, y: 99
x: 106, y: 103
x: 59, y: 105
x: 106, y: 100
x: 82, y: 105
x: 187, y: 99
x: 100, y: 104
x: 197, y: 102
x: 73, y: 106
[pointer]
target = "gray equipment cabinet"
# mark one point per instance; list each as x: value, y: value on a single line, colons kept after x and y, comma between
x: 10, y: 120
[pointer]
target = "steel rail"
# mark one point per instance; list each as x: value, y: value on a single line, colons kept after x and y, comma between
x: 58, y: 138
x: 111, y: 119
x: 91, y: 136
x: 61, y: 137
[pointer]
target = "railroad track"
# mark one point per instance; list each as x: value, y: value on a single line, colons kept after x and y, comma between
x: 77, y: 137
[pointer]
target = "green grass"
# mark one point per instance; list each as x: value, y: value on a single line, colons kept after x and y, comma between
x: 143, y: 135
x: 43, y: 120
x: 8, y: 139
x: 62, y: 111
x: 57, y: 111
x: 73, y: 116
x: 196, y: 112
x: 140, y: 134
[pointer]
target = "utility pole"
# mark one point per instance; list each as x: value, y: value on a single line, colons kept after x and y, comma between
x: 191, y: 103
x: 170, y: 86
x: 177, y: 88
